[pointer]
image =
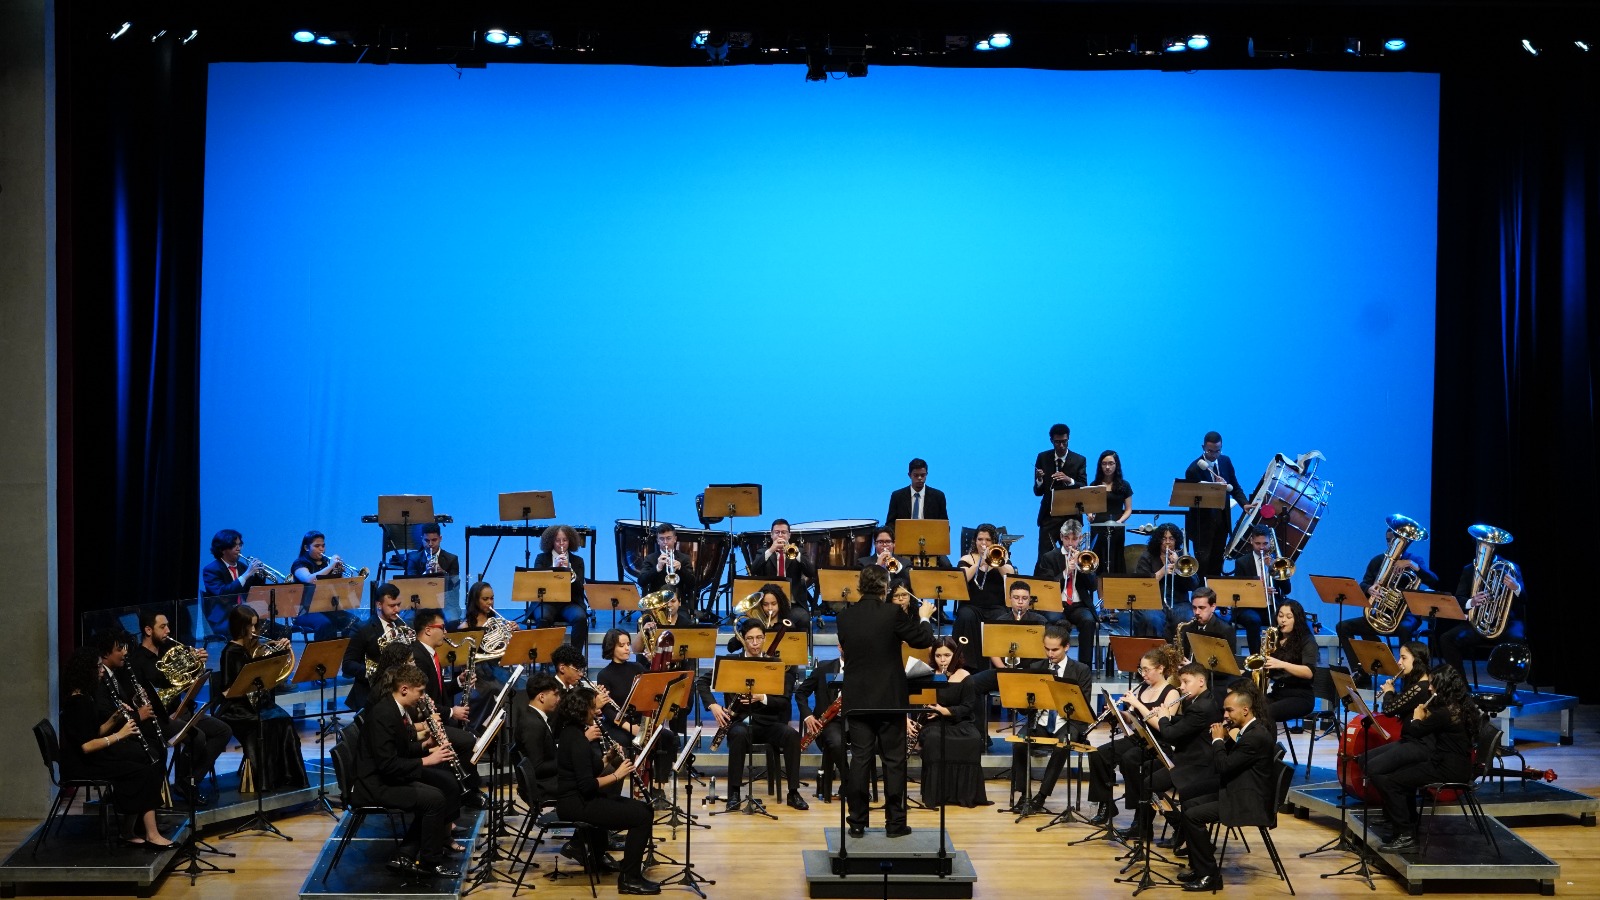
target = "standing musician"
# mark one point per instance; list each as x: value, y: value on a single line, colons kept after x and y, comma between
x: 1127, y: 753
x: 1056, y: 469
x: 1185, y: 726
x: 1159, y: 561
x: 558, y: 550
x: 488, y: 673
x: 774, y: 609
x: 1453, y: 639
x: 590, y: 791
x: 382, y: 628
x: 1078, y: 589
x: 916, y: 500
x: 666, y: 562
x: 309, y: 566
x: 822, y: 684
x: 1358, y: 627
x: 774, y: 563
x: 273, y: 746
x: 1119, y: 506
x: 100, y: 740
x: 1247, y: 566
x: 1203, y: 603
x: 1292, y: 665
x: 870, y: 633
x: 985, y: 587
x: 1242, y: 752
x: 1051, y: 722
x: 947, y: 734
x: 1436, y: 744
x: 430, y: 559
x: 769, y: 721
x: 226, y: 579
x: 212, y: 733
x: 884, y: 557
x: 393, y: 768
x: 425, y: 650
x: 1209, y: 528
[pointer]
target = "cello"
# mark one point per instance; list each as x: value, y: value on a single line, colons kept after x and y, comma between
x: 1363, y: 733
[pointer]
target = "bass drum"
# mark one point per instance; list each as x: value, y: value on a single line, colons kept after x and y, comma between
x: 708, y: 552
x: 1355, y: 741
x: 835, y: 543
x: 1289, y: 499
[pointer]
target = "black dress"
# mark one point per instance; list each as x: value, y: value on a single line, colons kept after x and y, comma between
x: 952, y: 751
x: 135, y: 777
x: 280, y: 766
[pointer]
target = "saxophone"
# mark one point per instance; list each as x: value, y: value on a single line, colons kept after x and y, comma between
x: 1180, y: 635
x: 1256, y: 663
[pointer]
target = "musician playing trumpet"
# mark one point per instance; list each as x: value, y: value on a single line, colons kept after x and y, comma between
x: 986, y: 582
x: 227, y: 578
x: 884, y: 557
x: 668, y: 567
x: 430, y: 558
x: 314, y: 563
x: 1077, y: 587
x: 785, y: 561
x: 558, y: 550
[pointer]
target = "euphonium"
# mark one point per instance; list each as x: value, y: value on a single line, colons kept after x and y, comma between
x: 1388, y: 607
x: 1500, y: 581
x: 182, y: 667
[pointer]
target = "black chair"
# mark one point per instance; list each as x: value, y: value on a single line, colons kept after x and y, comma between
x: 1274, y: 800
x: 355, y: 810
x: 1323, y: 722
x: 1463, y: 793
x: 547, y: 822
x: 66, y: 788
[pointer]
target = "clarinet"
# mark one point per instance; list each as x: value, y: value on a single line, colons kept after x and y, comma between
x: 436, y: 731
x: 132, y: 715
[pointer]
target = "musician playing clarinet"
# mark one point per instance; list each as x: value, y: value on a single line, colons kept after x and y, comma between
x: 426, y: 653
x: 589, y: 789
x: 768, y: 720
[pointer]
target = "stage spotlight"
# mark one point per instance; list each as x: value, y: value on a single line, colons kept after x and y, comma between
x: 1000, y: 40
x: 160, y: 33
x: 121, y: 31
x: 1394, y: 45
x: 513, y: 40
x: 192, y: 35
x: 1352, y: 46
x: 1175, y: 44
x: 855, y: 68
x: 1528, y: 46
x: 495, y: 36
x: 1581, y: 45
x: 304, y: 37
x: 325, y: 41
x: 1198, y: 42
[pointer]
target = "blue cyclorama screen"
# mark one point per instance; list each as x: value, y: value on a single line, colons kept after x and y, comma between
x: 583, y: 279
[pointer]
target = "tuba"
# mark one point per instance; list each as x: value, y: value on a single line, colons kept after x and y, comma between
x: 1388, y: 608
x: 181, y: 666
x: 1500, y: 581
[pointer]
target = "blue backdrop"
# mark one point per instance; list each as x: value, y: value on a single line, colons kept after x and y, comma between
x: 579, y: 279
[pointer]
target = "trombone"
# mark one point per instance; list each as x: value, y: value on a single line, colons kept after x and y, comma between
x: 997, y: 555
x: 1086, y: 561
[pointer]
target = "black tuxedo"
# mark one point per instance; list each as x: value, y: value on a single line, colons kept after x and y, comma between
x: 933, y: 505
x: 362, y: 647
x: 870, y: 633
x: 1249, y: 619
x: 441, y: 689
x: 1076, y: 673
x: 769, y: 724
x: 221, y: 591
x: 389, y: 771
x: 1246, y: 771
x: 1208, y: 528
x: 537, y: 743
x: 651, y: 581
x: 1081, y: 613
x: 1217, y: 628
x: 1074, y: 467
x: 449, y: 563
x: 1189, y: 735
x: 814, y: 695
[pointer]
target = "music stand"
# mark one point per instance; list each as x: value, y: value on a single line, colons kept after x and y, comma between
x: 264, y: 599
x: 421, y: 591
x: 1374, y: 658
x: 1128, y: 651
x: 619, y: 596
x: 1026, y: 694
x: 1022, y: 642
x: 939, y: 585
x: 744, y: 586
x: 1239, y: 593
x: 1339, y: 591
x: 193, y: 846
x: 1077, y: 501
x: 317, y: 660
x: 1049, y: 601
x: 406, y: 510
x: 1345, y: 687
x: 838, y: 585
x: 1130, y: 593
x: 534, y: 645
x: 687, y: 877
x: 694, y: 643
x: 257, y: 675
x: 793, y: 651
x: 1198, y: 495
x: 1215, y: 653
x: 546, y: 586
x: 732, y: 501
x: 1068, y: 699
x: 1433, y: 606
x: 336, y: 594
x: 931, y: 537
x: 747, y: 677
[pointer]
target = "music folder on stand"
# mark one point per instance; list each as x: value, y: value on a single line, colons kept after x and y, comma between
x: 939, y: 585
x: 1214, y: 653
x: 1198, y: 494
x: 257, y: 675
x: 1239, y: 593
x: 1374, y: 658
x: 320, y: 660
x: 731, y: 501
x: 1077, y: 501
x: 404, y: 510
x: 618, y: 596
x: 736, y: 677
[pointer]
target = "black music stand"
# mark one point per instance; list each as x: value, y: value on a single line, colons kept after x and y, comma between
x: 1068, y: 699
x: 317, y: 660
x: 257, y: 675
x: 1374, y: 658
x: 1030, y: 692
x: 192, y: 845
x: 1433, y: 606
x: 1216, y: 654
x: 682, y: 770
x: 747, y: 677
x: 1362, y: 867
x: 1142, y: 854
x: 526, y: 506
x: 731, y: 501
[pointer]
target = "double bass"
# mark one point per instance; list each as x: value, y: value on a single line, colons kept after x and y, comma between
x: 1363, y: 733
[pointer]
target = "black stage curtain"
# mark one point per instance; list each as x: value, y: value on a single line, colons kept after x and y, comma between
x: 1514, y: 412
x: 131, y: 143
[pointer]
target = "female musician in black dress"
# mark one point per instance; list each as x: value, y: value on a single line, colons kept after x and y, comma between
x: 1119, y: 506
x: 774, y: 609
x: 590, y: 791
x: 1291, y: 666
x: 558, y: 547
x: 274, y: 744
x: 986, y: 591
x: 1159, y: 561
x: 1126, y: 752
x: 952, y: 748
x: 310, y: 565
x: 1437, y: 744
x: 1400, y: 699
x: 98, y: 741
x: 490, y: 674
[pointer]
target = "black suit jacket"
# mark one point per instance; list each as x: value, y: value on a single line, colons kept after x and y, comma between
x: 449, y: 563
x: 1076, y: 468
x: 870, y: 634
x: 362, y: 647
x: 216, y: 580
x: 537, y: 743
x: 439, y: 685
x: 774, y: 711
x: 1217, y: 628
x: 1245, y: 567
x: 933, y: 505
x: 651, y: 581
x: 1189, y: 732
x: 1223, y: 467
x: 388, y: 755
x: 1051, y: 567
x: 1246, y: 769
x: 818, y: 685
x: 795, y: 573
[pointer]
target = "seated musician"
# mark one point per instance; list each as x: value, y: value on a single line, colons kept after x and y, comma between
x: 1184, y: 725
x: 1126, y: 752
x: 100, y: 740
x: 665, y: 563
x: 226, y: 579
x: 265, y: 729
x: 985, y: 675
x: 774, y: 563
x: 1436, y: 744
x: 1159, y: 561
x: 884, y: 557
x: 1077, y: 588
x: 1051, y: 723
x: 589, y: 789
x: 536, y: 739
x: 815, y: 697
x: 558, y: 548
x: 1451, y: 640
x: 947, y: 734
x: 986, y: 591
x: 1206, y: 621
x: 1248, y: 566
x: 772, y: 612
x: 617, y: 678
x: 309, y: 566
x: 439, y: 687
x: 1399, y: 700
x: 394, y: 768
x: 1292, y: 665
x: 571, y: 666
x: 382, y: 628
x: 1242, y: 755
x: 490, y: 675
x: 1358, y: 627
x: 769, y: 720
x: 1119, y: 506
x: 209, y: 736
x: 431, y: 559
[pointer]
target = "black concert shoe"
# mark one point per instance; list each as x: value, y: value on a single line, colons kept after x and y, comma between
x: 438, y: 870
x: 633, y: 883
x: 1104, y: 815
x: 897, y: 831
x: 403, y: 864
x: 1036, y: 805
x: 798, y: 802
x: 1130, y: 834
x: 858, y: 831
x: 1211, y: 883
x: 733, y: 804
x: 475, y: 800
x: 1404, y: 842
x: 1187, y: 875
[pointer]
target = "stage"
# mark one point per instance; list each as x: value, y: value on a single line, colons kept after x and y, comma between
x: 75, y: 857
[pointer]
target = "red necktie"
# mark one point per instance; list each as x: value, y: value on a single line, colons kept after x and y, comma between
x: 232, y: 570
x: 781, y: 558
x: 1070, y: 579
x: 438, y: 675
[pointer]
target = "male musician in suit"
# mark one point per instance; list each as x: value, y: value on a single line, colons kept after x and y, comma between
x: 769, y: 721
x: 1203, y: 603
x: 884, y: 555
x: 571, y: 666
x: 1358, y: 626
x: 665, y: 560
x: 1242, y: 757
x: 1077, y: 589
x: 393, y: 768
x: 366, y: 644
x: 1053, y: 470
x: 1051, y: 722
x: 210, y: 732
x: 870, y: 633
x: 1449, y: 639
x: 1246, y: 566
x: 430, y: 559
x: 1185, y: 727
x: 225, y: 580
x: 536, y: 740
x: 916, y: 500
x: 426, y: 652
x: 774, y: 563
x: 1209, y: 528
x: 823, y: 685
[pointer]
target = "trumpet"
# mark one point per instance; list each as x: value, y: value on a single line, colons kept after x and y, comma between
x: 273, y: 575
x: 997, y: 556
x: 432, y: 568
x: 561, y: 562
x: 672, y: 568
x: 791, y: 552
x: 351, y: 572
x: 894, y: 565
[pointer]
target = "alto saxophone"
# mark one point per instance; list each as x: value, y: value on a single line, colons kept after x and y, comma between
x: 1256, y: 663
